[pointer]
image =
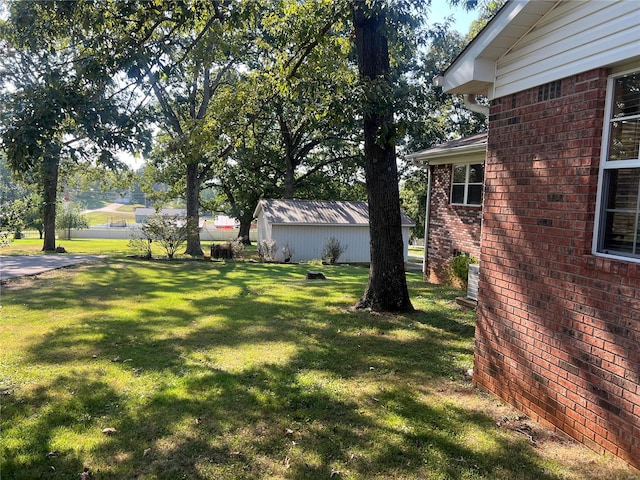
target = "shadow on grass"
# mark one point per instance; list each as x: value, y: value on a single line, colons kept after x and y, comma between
x: 192, y: 395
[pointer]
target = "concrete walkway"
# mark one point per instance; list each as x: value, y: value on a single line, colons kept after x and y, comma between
x: 23, y: 265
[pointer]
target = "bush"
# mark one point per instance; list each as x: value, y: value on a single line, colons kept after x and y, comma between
x: 236, y: 245
x: 459, y: 268
x: 267, y: 250
x: 332, y: 250
x: 287, y: 253
x: 70, y: 218
x: 170, y: 231
x: 141, y: 243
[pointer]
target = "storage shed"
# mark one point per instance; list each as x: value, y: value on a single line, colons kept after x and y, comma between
x: 304, y: 226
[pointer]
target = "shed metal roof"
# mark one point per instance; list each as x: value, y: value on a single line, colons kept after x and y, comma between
x: 317, y: 212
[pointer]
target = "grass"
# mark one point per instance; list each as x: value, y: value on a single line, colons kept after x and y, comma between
x: 248, y: 371
x: 105, y: 218
x: 97, y: 246
x: 89, y: 246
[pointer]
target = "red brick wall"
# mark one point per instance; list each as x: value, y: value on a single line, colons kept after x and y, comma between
x: 451, y: 227
x: 558, y: 331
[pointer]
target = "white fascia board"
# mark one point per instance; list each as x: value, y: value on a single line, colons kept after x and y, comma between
x: 307, y: 224
x: 474, y: 70
x: 346, y: 225
x: 257, y: 211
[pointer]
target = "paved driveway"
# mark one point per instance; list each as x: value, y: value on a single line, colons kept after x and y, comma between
x: 22, y: 265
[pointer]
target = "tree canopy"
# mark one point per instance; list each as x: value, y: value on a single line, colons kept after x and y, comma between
x: 59, y: 100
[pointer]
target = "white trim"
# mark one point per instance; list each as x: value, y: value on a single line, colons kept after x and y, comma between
x: 467, y: 157
x: 466, y: 184
x: 606, y: 164
x: 534, y: 42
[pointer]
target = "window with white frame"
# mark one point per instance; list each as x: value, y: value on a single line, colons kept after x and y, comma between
x: 618, y: 222
x: 466, y: 184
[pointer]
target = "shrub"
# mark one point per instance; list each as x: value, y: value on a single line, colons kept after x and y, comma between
x: 236, y: 246
x: 332, y: 250
x: 70, y: 218
x: 170, y: 231
x: 459, y: 268
x: 267, y: 250
x: 287, y: 253
x: 141, y: 243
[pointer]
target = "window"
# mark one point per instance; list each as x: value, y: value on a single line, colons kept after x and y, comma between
x: 618, y: 228
x: 466, y: 184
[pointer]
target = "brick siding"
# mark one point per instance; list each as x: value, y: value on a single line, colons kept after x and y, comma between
x: 451, y: 227
x: 558, y: 332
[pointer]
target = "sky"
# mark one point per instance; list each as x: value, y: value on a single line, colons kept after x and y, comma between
x: 440, y: 9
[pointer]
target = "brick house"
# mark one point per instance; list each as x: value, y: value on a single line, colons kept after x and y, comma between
x: 558, y: 330
x: 454, y: 206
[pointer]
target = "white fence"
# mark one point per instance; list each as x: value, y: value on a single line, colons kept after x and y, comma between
x: 207, y: 234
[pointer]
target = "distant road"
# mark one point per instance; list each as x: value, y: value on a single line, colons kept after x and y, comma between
x: 112, y: 207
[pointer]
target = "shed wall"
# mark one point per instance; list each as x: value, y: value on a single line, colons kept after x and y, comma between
x: 308, y: 241
x: 558, y: 331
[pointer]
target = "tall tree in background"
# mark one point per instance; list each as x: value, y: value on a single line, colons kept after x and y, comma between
x: 306, y: 74
x: 186, y: 65
x: 432, y: 117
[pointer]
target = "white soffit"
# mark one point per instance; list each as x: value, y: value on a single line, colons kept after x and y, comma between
x: 473, y: 71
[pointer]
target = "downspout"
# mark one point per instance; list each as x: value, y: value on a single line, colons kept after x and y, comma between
x: 471, y: 104
x: 425, y: 254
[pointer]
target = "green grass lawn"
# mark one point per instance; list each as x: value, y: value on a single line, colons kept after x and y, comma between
x: 105, y: 218
x: 240, y: 370
x: 80, y: 246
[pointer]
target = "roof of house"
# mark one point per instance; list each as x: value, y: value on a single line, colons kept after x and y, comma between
x: 533, y: 42
x: 473, y: 69
x: 324, y: 212
x: 443, y: 153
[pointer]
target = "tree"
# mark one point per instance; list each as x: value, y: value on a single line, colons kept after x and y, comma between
x: 59, y: 100
x: 308, y: 121
x: 19, y: 205
x: 70, y: 217
x: 387, y: 288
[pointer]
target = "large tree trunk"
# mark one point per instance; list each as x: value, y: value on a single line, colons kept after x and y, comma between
x: 387, y: 288
x: 49, y: 196
x: 289, y: 179
x: 245, y: 229
x: 193, y: 216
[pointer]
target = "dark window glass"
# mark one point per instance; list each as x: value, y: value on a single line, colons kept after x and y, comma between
x: 457, y: 194
x: 476, y: 173
x: 622, y: 211
x: 624, y: 142
x: 474, y: 196
x: 626, y: 96
x: 459, y: 174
